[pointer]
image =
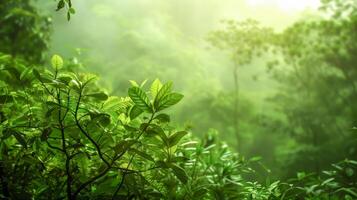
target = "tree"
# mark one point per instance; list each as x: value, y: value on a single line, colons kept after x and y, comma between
x: 24, y: 32
x: 243, y: 41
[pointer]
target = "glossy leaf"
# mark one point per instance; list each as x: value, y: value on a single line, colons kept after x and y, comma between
x: 179, y: 172
x: 165, y: 90
x: 142, y: 154
x: 168, y: 101
x: 124, y: 146
x: 102, y: 96
x: 140, y: 99
x: 155, y: 88
x: 57, y: 62
x: 135, y: 111
x: 176, y: 137
x: 163, y: 118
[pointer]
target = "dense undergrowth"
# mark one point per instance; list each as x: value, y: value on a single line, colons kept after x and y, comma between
x: 64, y: 136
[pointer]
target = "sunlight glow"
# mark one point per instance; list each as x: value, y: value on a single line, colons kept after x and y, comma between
x: 287, y: 5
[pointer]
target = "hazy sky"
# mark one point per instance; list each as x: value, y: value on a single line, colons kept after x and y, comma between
x: 288, y: 6
x: 108, y: 28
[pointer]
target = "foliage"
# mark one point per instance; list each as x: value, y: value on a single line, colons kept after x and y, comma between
x: 89, y: 145
x: 66, y: 4
x: 313, y: 62
x: 321, y: 57
x: 60, y: 116
x: 64, y: 136
x: 24, y: 32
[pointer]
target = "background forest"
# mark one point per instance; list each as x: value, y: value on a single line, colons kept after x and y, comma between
x: 265, y: 102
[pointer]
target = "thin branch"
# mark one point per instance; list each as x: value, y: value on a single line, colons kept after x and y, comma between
x: 123, y: 178
x: 64, y: 148
x: 54, y: 147
x: 86, y: 134
x: 104, y: 172
x: 131, y: 159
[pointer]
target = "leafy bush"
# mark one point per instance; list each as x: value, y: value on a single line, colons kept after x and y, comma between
x: 63, y: 136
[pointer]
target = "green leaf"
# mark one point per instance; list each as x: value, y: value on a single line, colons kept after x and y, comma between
x: 75, y: 85
x: 165, y: 90
x: 112, y: 104
x: 200, y: 193
x: 168, y: 100
x: 102, y: 96
x: 65, y: 78
x: 102, y: 118
x: 176, y: 137
x: 19, y: 137
x: 155, y: 88
x: 135, y: 111
x: 58, y: 84
x: 56, y: 61
x: 157, y: 130
x: 134, y: 83
x: 124, y: 145
x: 301, y: 175
x: 45, y: 78
x: 68, y: 16
x: 13, y: 71
x: 130, y: 128
x: 255, y: 159
x: 163, y: 118
x: 60, y: 5
x: 69, y: 2
x: 25, y: 73
x: 161, y: 164
x: 347, y: 190
x: 72, y: 10
x: 327, y: 181
x: 6, y: 133
x: 140, y: 99
x: 5, y: 58
x: 349, y: 171
x: 142, y: 154
x: 36, y: 74
x: 143, y: 83
x: 179, y: 172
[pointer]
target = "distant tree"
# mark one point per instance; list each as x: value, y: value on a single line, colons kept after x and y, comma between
x: 243, y: 41
x: 318, y: 85
x: 24, y: 32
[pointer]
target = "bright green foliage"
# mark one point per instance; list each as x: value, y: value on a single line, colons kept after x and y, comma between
x: 89, y: 145
x: 60, y: 122
x: 56, y: 62
x: 140, y: 99
x: 63, y: 137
